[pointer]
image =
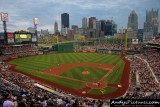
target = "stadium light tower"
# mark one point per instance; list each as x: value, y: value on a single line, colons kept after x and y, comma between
x: 126, y: 41
x: 129, y: 30
x: 35, y: 24
x: 4, y: 19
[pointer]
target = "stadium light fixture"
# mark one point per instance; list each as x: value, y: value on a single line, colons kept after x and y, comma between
x: 4, y: 17
x: 35, y: 20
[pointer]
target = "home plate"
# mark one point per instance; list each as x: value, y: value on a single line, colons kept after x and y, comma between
x: 119, y: 86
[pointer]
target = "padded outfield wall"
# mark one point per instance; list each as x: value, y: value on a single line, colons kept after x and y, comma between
x: 67, y: 47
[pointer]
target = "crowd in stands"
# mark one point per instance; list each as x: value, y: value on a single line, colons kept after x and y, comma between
x: 20, y: 90
x: 148, y: 87
x: 152, y: 57
x: 84, y: 49
x: 18, y: 51
x: 118, y: 46
x: 155, y: 40
x: 108, y: 47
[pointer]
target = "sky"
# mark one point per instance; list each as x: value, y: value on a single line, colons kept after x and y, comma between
x: 22, y: 12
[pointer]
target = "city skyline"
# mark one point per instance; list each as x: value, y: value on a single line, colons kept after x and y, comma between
x: 22, y: 12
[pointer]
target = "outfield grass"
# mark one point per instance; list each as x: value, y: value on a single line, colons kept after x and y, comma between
x: 35, y: 65
x: 43, y: 62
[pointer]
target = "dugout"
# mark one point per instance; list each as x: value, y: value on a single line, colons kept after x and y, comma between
x: 67, y: 47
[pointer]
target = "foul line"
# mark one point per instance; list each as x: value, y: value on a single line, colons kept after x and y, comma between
x: 149, y: 68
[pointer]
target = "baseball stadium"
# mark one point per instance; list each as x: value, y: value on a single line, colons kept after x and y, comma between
x: 93, y: 72
x: 82, y: 70
x: 104, y: 62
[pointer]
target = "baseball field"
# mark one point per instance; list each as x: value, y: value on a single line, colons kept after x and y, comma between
x: 89, y: 74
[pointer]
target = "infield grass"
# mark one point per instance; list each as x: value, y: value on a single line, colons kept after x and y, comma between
x: 76, y: 73
x: 106, y: 90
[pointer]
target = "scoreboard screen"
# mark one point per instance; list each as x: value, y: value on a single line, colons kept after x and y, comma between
x: 22, y: 37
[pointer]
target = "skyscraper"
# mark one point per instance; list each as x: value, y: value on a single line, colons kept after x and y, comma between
x: 151, y: 24
x: 74, y: 27
x: 65, y: 20
x: 103, y: 22
x: 108, y: 28
x: 84, y: 23
x: 55, y: 27
x: 97, y: 27
x: 133, y: 23
x: 91, y: 20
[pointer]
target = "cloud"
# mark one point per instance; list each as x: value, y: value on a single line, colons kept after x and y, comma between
x: 22, y: 12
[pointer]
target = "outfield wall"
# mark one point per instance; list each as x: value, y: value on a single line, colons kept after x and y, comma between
x: 68, y: 47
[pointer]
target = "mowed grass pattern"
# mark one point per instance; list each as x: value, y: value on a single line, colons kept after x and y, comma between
x: 43, y: 62
x: 76, y: 73
x: 35, y: 65
x: 65, y: 82
x: 106, y: 90
x: 115, y: 76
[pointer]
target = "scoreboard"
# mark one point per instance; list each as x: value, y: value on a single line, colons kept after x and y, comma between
x: 20, y: 38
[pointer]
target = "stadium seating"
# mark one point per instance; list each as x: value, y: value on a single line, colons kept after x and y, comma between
x: 26, y: 93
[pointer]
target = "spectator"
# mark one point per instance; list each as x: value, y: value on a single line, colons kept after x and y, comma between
x: 9, y: 100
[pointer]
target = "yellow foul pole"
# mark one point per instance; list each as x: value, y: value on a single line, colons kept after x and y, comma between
x: 126, y: 41
x: 57, y: 39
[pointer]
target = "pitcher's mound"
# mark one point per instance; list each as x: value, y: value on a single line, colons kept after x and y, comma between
x: 85, y: 72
